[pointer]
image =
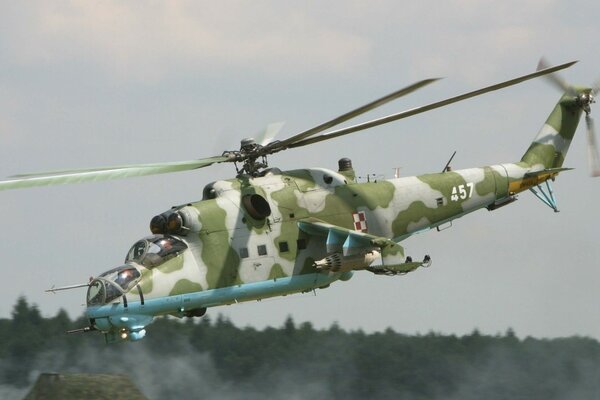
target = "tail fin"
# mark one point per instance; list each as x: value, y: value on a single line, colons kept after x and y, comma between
x: 550, y: 146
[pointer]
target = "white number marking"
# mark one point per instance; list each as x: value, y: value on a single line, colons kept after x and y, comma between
x: 461, y: 192
x: 470, y: 186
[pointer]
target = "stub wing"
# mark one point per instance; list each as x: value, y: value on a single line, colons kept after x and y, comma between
x: 346, y: 241
x: 354, y: 250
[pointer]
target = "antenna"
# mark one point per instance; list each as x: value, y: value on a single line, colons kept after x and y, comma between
x: 447, y: 167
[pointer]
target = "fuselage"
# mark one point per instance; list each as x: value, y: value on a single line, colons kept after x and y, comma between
x: 243, y: 240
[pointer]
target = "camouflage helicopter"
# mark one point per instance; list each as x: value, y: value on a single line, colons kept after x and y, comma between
x: 269, y: 232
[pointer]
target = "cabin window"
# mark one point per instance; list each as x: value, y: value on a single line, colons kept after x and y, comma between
x: 244, y: 252
x: 262, y: 250
x: 284, y: 247
x: 301, y: 244
x: 440, y: 201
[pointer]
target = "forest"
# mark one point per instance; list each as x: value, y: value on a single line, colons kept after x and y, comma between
x: 211, y: 358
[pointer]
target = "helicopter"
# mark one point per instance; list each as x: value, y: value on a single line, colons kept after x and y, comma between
x: 267, y: 232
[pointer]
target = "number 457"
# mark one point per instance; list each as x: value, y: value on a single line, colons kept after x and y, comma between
x: 462, y: 192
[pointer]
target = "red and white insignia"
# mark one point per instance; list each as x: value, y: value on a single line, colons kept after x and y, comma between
x: 360, y: 221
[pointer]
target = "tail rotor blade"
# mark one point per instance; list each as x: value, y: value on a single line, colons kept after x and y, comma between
x: 596, y: 87
x: 593, y: 158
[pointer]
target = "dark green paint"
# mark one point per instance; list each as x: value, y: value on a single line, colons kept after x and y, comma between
x: 276, y: 272
x: 185, y: 286
x: 309, y: 266
x: 221, y: 260
x: 172, y: 265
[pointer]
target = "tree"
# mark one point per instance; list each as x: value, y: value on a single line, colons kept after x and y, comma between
x: 26, y: 338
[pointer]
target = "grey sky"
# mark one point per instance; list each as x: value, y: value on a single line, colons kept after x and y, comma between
x: 86, y: 84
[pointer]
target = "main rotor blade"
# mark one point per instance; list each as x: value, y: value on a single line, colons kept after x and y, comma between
x: 101, y: 174
x: 272, y: 130
x: 432, y: 106
x: 280, y: 145
x: 554, y: 79
x: 593, y: 159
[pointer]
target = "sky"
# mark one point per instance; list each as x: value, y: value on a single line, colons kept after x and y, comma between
x: 86, y: 84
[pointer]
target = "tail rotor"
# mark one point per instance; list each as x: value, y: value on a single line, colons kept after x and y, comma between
x: 584, y: 98
x: 593, y: 159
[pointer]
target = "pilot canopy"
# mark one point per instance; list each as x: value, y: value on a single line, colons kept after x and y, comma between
x: 154, y: 250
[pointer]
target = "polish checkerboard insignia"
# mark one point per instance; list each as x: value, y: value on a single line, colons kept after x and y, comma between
x: 360, y: 221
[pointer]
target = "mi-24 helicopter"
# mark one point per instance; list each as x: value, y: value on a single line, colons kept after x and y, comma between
x: 269, y: 233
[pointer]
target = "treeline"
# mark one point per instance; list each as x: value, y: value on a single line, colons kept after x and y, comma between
x: 212, y: 358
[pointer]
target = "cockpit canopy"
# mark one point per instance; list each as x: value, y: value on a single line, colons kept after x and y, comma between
x: 150, y: 252
x: 112, y: 284
x: 154, y: 250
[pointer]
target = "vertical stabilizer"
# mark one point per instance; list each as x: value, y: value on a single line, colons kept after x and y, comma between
x: 550, y: 146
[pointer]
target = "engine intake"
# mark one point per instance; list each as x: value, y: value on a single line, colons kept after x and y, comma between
x: 256, y: 206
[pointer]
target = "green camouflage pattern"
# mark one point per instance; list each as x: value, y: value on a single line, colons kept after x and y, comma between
x: 312, y: 226
x: 552, y: 143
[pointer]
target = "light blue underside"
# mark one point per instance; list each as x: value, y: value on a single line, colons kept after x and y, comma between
x: 216, y: 297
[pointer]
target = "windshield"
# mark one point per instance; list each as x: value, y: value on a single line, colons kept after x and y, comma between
x: 102, y: 292
x: 112, y: 284
x: 96, y: 292
x: 125, y: 276
x: 155, y: 250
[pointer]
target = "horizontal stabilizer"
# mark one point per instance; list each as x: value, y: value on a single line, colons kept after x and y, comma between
x: 547, y: 171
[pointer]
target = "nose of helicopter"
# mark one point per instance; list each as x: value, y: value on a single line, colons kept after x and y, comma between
x: 115, y: 323
x: 120, y: 327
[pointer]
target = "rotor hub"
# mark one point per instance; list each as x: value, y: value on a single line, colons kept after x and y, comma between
x: 585, y: 100
x: 248, y: 145
x: 248, y: 155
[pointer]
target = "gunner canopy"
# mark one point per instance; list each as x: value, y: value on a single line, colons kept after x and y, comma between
x: 112, y: 284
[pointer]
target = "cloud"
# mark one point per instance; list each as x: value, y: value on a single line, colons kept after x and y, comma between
x: 150, y: 40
